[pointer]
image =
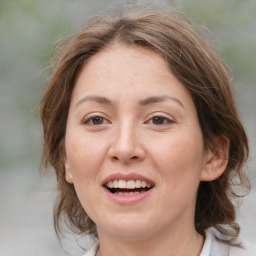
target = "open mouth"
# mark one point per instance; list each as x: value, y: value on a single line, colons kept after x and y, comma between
x: 129, y: 187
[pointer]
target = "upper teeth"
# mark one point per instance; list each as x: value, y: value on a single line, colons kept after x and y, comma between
x: 130, y: 184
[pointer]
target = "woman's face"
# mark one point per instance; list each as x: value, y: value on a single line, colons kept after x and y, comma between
x: 132, y: 124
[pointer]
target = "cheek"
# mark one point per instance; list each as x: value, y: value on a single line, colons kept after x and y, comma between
x: 180, y: 158
x: 179, y: 166
x: 83, y: 156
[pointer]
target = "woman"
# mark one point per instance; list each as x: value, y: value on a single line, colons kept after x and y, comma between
x: 142, y: 130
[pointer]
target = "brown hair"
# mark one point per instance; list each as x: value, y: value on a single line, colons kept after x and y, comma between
x: 199, y: 69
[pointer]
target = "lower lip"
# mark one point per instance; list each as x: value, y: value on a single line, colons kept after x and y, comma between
x: 127, y: 199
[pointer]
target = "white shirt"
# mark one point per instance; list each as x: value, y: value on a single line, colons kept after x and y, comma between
x: 212, y: 247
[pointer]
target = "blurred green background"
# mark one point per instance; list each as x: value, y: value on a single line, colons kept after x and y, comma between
x: 28, y: 32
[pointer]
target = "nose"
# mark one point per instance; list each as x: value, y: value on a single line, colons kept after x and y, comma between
x: 126, y: 146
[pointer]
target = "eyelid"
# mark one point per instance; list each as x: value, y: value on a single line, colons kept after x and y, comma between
x: 85, y: 120
x: 167, y: 117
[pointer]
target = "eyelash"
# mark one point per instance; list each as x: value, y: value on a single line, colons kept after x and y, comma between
x: 163, y: 120
x: 89, y: 120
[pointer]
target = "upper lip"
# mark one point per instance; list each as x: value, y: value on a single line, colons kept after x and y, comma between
x: 129, y: 176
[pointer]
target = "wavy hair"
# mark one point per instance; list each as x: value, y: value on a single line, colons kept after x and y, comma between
x: 193, y: 62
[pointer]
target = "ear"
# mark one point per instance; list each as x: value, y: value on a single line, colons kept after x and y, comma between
x: 68, y: 173
x: 216, y: 159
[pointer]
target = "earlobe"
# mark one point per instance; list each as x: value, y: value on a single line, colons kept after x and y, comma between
x: 216, y: 159
x: 68, y: 174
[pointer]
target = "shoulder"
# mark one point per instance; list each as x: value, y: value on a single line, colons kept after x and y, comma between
x: 236, y: 251
x: 213, y: 247
x: 92, y: 251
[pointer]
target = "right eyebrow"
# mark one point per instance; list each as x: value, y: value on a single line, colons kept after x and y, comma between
x: 95, y: 98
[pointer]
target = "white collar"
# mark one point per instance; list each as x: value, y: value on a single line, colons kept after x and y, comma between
x: 207, y: 244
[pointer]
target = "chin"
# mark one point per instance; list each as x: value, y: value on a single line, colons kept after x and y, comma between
x: 129, y: 228
x: 130, y: 233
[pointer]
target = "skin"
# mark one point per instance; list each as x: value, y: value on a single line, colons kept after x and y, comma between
x: 160, y: 140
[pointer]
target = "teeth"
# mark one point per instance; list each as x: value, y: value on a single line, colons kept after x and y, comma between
x: 115, y: 183
x: 110, y: 184
x: 122, y: 184
x: 127, y: 193
x: 130, y: 184
x: 138, y: 184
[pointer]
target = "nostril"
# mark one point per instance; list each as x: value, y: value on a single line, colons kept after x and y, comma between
x: 131, y: 158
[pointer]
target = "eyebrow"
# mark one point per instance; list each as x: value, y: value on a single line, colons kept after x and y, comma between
x: 157, y: 99
x: 98, y: 99
x: 144, y: 102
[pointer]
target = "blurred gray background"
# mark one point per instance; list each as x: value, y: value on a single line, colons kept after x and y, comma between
x: 28, y: 31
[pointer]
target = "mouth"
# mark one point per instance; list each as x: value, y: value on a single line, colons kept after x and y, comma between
x: 128, y: 187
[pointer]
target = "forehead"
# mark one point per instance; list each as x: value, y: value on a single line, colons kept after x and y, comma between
x: 118, y: 58
x: 122, y: 63
x: 122, y: 71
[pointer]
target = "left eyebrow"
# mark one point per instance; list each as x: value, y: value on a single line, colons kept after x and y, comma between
x: 157, y: 99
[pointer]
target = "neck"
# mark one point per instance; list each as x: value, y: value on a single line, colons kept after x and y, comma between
x: 182, y: 243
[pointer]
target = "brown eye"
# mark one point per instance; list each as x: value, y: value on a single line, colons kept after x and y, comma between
x: 97, y: 120
x: 158, y: 120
